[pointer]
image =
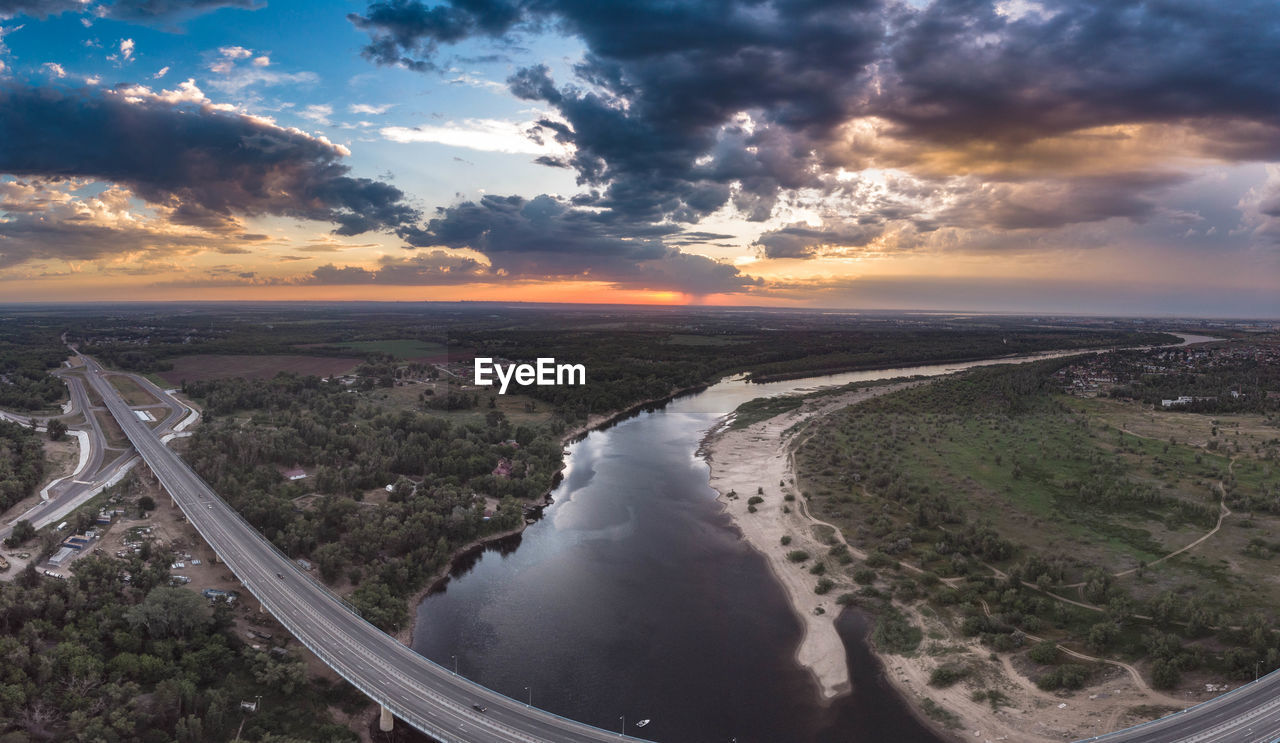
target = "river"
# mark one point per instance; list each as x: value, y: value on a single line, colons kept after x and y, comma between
x: 634, y: 596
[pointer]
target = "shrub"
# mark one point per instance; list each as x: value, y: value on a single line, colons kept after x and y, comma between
x: 879, y: 559
x: 1067, y: 676
x: 824, y: 585
x: 894, y: 633
x: 797, y: 555
x: 946, y: 675
x: 819, y: 568
x: 864, y: 576
x: 1164, y: 674
x: 754, y: 500
x: 786, y: 539
x: 1045, y: 653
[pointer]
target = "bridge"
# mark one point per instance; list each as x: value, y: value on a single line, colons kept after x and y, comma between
x: 407, y: 685
x: 438, y: 702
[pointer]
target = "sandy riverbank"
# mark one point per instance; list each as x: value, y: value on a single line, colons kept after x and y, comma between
x: 746, y: 461
x: 758, y: 456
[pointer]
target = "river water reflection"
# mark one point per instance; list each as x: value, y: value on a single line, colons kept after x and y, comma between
x: 635, y: 596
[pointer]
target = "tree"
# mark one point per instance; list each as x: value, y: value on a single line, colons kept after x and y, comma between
x: 1043, y: 653
x: 1164, y: 674
x: 57, y: 430
x: 22, y: 531
x: 169, y: 612
x: 147, y: 503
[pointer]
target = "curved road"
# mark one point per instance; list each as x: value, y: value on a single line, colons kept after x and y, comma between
x: 423, y: 694
x: 439, y: 702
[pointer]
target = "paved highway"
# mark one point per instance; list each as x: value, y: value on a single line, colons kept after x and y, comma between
x: 425, y: 695
x: 1248, y: 714
x: 439, y: 702
x: 100, y: 465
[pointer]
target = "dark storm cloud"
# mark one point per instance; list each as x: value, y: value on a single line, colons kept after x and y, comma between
x: 802, y: 241
x: 408, y: 32
x: 655, y: 112
x: 206, y: 166
x: 663, y: 79
x: 140, y: 11
x: 961, y: 70
x: 547, y: 238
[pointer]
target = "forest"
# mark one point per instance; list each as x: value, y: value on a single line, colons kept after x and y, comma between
x: 439, y: 471
x: 21, y: 463
x: 113, y: 654
x: 28, y: 350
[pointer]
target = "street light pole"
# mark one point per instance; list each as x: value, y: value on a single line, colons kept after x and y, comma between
x: 530, y: 702
x: 1255, y: 670
x: 455, y: 664
x: 623, y: 731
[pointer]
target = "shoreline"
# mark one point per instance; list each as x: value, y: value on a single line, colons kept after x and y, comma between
x: 754, y: 461
x: 593, y: 423
x: 755, y: 457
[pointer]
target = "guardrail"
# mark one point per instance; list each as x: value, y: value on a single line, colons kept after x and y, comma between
x: 195, y: 516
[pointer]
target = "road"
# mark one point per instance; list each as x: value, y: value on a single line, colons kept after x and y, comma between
x: 438, y: 702
x: 1249, y: 714
x: 427, y: 696
x: 100, y: 465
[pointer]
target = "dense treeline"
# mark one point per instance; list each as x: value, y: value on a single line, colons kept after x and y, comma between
x: 28, y: 350
x: 625, y: 367
x: 439, y: 472
x: 826, y: 353
x: 630, y: 357
x: 21, y: 463
x: 114, y: 654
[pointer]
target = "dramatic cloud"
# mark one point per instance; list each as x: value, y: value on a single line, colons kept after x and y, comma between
x: 204, y: 165
x: 48, y: 221
x: 679, y: 109
x: 674, y: 94
x: 435, y: 268
x: 545, y: 238
x: 802, y: 241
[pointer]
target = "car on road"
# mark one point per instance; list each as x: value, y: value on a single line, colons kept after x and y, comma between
x: 280, y: 576
x: 479, y: 708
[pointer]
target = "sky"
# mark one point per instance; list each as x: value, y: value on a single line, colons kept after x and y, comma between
x: 1063, y: 156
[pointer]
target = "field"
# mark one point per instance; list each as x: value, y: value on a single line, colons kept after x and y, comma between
x: 402, y: 349
x: 132, y: 392
x: 203, y: 367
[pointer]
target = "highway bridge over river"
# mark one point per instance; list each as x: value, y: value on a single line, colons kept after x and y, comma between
x: 425, y: 695
x: 440, y: 703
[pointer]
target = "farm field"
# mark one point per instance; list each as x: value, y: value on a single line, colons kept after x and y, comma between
x: 202, y: 367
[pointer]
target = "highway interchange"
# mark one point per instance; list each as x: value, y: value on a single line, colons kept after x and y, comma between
x: 100, y: 463
x: 423, y: 694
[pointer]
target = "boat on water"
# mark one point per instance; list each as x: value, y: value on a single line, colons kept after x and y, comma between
x: 642, y: 723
